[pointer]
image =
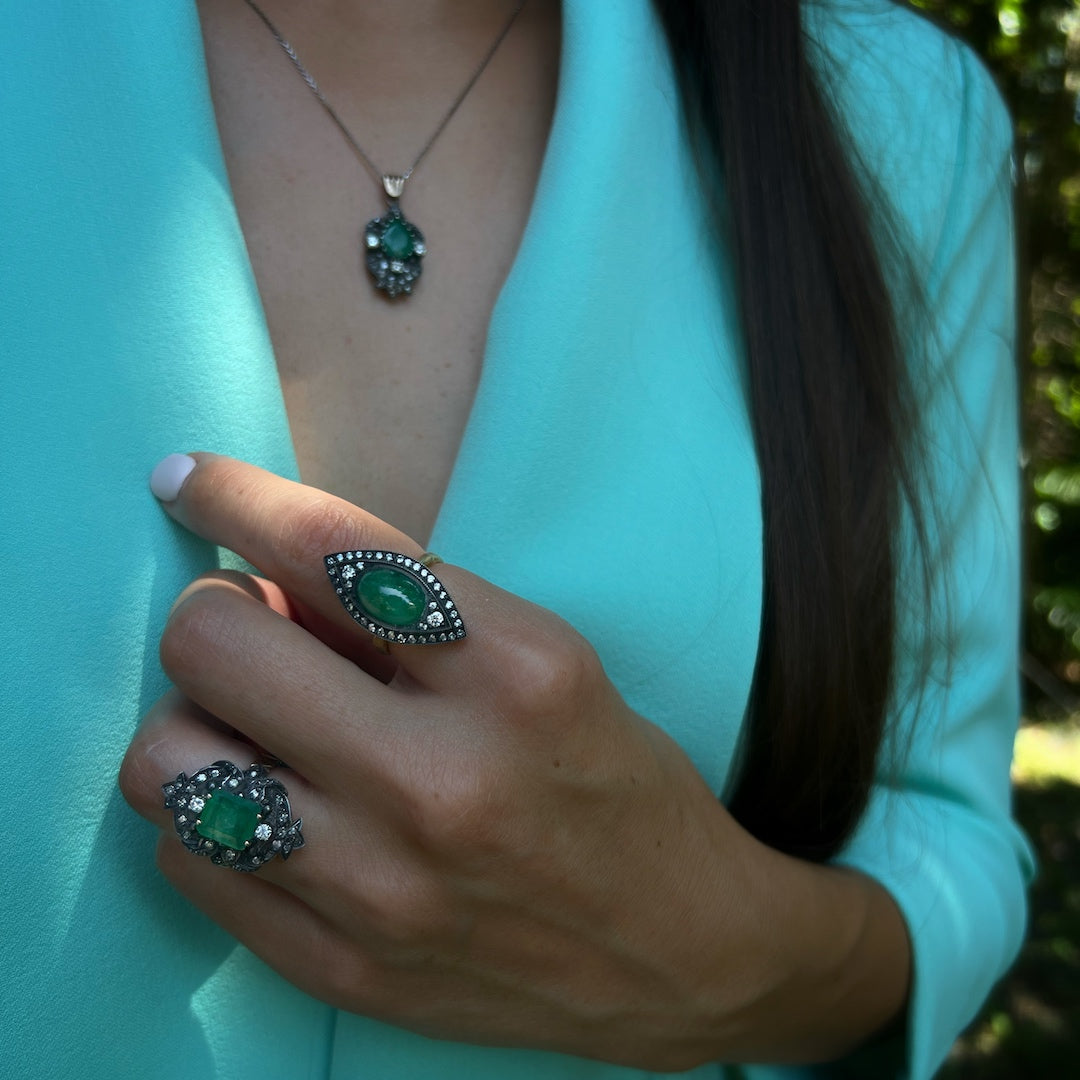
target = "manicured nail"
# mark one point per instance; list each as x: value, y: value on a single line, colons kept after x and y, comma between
x: 169, y: 475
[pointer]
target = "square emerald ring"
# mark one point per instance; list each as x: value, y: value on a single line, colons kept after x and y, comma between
x: 236, y: 817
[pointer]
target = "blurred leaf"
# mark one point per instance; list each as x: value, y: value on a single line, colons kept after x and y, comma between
x: 1061, y: 483
x: 1045, y: 753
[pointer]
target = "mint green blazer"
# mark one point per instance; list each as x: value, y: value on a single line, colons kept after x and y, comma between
x: 610, y: 429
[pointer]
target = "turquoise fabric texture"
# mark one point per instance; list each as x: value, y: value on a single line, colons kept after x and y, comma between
x: 609, y: 429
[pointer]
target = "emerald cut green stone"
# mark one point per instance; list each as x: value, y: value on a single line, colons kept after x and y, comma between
x: 229, y: 820
x: 397, y: 240
x: 390, y: 597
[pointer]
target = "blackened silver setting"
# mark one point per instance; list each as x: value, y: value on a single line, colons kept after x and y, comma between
x: 274, y: 834
x: 395, y: 270
x: 437, y: 623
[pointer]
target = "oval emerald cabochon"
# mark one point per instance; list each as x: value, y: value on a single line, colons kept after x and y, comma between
x: 390, y: 596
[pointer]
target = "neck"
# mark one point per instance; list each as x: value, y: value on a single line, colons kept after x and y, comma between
x: 393, y: 17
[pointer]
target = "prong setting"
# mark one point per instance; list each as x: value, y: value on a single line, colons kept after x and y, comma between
x: 242, y: 831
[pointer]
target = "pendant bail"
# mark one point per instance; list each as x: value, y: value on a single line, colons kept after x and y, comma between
x: 394, y: 185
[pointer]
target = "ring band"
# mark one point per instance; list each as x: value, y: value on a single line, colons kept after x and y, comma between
x: 236, y: 817
x: 396, y: 598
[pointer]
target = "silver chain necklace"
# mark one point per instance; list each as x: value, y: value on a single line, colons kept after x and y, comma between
x: 393, y: 245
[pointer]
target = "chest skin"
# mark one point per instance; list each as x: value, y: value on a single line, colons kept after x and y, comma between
x: 378, y: 392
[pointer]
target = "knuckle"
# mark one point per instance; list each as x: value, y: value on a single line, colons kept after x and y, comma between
x: 406, y: 913
x: 460, y: 812
x: 548, y: 674
x: 318, y: 528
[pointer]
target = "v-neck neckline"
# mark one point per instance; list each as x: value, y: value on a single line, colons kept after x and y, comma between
x: 550, y: 164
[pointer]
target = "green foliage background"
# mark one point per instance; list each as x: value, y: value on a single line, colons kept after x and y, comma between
x: 1033, y: 48
x: 1031, y: 1026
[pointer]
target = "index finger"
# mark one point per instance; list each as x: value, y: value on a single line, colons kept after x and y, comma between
x: 287, y: 530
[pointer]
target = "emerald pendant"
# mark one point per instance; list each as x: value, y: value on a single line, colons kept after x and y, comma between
x: 393, y: 248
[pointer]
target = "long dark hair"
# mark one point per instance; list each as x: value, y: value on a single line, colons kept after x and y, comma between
x: 830, y: 398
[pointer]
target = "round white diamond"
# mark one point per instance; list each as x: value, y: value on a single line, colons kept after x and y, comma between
x: 419, y: 247
x: 435, y: 618
x: 195, y: 804
x: 348, y: 573
x: 262, y: 832
x: 371, y: 240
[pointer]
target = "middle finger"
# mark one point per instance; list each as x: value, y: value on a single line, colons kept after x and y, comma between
x: 274, y: 682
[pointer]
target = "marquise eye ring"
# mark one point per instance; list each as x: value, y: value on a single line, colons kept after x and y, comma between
x: 395, y: 598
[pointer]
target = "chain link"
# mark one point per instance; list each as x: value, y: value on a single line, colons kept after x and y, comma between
x: 377, y: 173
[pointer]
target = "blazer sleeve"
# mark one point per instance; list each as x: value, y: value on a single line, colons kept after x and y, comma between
x: 938, y: 832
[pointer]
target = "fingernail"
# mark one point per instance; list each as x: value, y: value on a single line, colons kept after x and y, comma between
x: 169, y: 475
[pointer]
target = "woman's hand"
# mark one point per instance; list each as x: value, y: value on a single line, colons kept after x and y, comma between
x: 498, y: 850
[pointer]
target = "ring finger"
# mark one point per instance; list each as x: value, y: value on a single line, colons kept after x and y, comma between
x: 350, y: 867
x: 177, y: 736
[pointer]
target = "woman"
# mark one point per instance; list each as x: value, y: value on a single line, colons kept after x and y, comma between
x: 513, y: 842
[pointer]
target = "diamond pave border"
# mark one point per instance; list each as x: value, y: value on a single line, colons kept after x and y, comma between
x: 441, y: 621
x: 276, y: 833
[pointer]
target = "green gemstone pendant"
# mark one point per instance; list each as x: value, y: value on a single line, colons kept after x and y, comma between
x: 393, y: 248
x: 394, y: 597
